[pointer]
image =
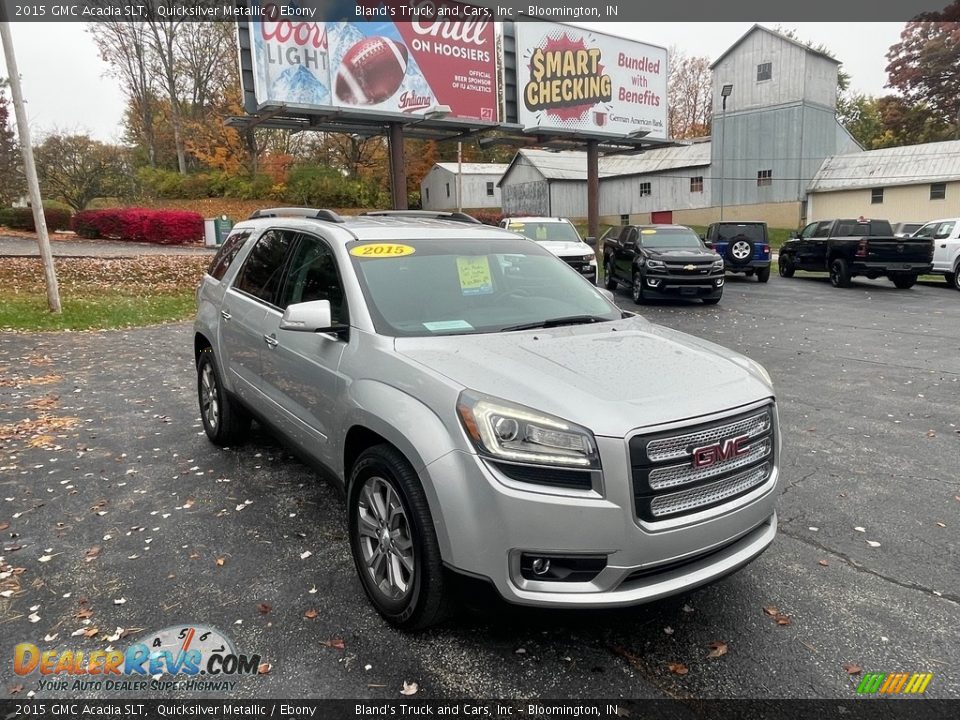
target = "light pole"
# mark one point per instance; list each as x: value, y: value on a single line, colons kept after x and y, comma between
x: 724, y: 93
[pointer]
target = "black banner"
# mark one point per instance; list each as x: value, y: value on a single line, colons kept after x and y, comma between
x: 863, y: 709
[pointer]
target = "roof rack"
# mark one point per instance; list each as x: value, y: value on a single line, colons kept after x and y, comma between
x: 433, y: 214
x: 312, y: 213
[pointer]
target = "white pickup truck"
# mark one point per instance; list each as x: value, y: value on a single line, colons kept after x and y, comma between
x: 946, y: 247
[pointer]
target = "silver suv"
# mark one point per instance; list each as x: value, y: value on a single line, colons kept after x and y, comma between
x: 488, y: 411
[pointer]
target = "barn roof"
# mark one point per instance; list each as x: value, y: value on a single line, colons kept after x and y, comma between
x: 475, y: 168
x: 907, y: 165
x: 785, y: 38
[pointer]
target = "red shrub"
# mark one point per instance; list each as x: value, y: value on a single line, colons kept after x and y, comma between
x: 165, y: 227
x: 489, y: 217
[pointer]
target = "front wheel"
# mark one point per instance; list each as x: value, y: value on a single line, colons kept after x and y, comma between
x: 224, y: 420
x: 839, y: 273
x: 904, y: 282
x: 393, y: 540
x: 953, y: 279
x: 763, y: 274
x: 786, y: 266
x: 609, y: 280
x: 636, y: 289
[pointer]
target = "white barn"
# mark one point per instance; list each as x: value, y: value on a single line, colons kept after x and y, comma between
x: 438, y: 189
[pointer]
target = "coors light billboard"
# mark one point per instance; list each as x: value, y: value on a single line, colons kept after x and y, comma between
x: 402, y: 56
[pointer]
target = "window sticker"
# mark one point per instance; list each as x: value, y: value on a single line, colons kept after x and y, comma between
x: 382, y: 250
x: 648, y: 231
x: 541, y: 232
x: 474, y: 272
x: 517, y: 226
x: 443, y: 325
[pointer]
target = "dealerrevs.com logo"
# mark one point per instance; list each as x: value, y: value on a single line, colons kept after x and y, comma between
x: 192, y: 657
x: 894, y: 683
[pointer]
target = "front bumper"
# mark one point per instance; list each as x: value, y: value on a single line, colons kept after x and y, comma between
x: 587, y: 269
x: 662, y: 286
x: 493, y: 521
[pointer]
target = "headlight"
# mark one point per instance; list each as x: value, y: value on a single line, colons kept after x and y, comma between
x: 590, y: 258
x: 655, y: 264
x: 718, y: 264
x: 504, y: 431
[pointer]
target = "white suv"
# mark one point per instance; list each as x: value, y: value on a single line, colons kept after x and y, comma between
x: 559, y: 236
x: 946, y: 247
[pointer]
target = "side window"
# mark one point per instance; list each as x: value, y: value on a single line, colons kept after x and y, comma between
x: 808, y: 230
x: 927, y: 231
x: 711, y: 232
x: 313, y: 276
x: 944, y: 231
x: 227, y: 252
x: 261, y: 273
x: 823, y: 229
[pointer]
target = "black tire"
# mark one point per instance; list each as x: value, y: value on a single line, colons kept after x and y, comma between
x: 904, y: 281
x: 740, y: 251
x: 763, y: 274
x: 225, y: 421
x: 636, y: 289
x: 609, y: 280
x: 953, y: 280
x: 839, y: 273
x: 425, y: 600
x: 711, y: 301
x: 786, y: 266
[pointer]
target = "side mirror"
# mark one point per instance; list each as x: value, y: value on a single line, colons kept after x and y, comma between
x: 591, y: 241
x: 703, y: 236
x: 608, y: 295
x: 310, y: 317
x: 709, y: 244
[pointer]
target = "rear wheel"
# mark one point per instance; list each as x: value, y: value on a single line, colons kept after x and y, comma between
x: 953, y: 279
x: 608, y: 278
x: 636, y: 289
x: 224, y: 420
x: 904, y: 281
x: 786, y: 267
x: 763, y: 274
x: 839, y: 273
x: 393, y: 540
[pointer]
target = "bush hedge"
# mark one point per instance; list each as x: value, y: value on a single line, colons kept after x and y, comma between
x: 164, y: 227
x: 22, y: 218
x: 488, y: 217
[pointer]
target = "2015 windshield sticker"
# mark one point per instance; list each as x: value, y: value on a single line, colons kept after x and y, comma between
x: 648, y: 231
x: 474, y: 275
x: 445, y: 325
x: 382, y: 250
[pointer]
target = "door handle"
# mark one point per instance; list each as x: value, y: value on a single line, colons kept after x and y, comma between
x: 271, y: 340
x: 225, y: 315
x: 943, y: 245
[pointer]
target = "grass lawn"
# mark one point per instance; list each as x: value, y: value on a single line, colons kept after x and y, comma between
x: 100, y: 294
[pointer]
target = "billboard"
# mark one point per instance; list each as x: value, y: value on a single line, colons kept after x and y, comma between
x: 386, y: 64
x: 572, y: 78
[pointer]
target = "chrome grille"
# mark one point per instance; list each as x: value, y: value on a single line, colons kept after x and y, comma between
x: 733, y: 455
x: 680, y: 446
x: 693, y: 499
x: 673, y: 475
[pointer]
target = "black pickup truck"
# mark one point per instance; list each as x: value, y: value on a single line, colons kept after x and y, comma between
x: 847, y: 248
x: 662, y: 261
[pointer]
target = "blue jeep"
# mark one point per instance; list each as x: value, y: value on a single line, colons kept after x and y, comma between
x: 744, y: 247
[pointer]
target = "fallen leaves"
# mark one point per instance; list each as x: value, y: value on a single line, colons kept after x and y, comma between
x: 779, y: 617
x: 311, y: 614
x: 92, y: 554
x: 823, y: 563
x: 678, y: 668
x: 409, y: 688
x: 15, y: 689
x: 263, y: 608
x: 717, y: 649
x: 264, y: 668
x: 220, y: 561
x: 83, y: 614
x: 771, y: 610
x: 39, y: 432
x: 852, y: 668
x: 873, y: 543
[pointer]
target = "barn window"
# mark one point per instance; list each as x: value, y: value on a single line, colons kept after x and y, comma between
x: 645, y: 190
x: 696, y: 184
x: 448, y: 189
x: 876, y: 196
x: 764, y: 178
x: 489, y: 189
x: 764, y: 71
x: 428, y: 193
x: 624, y: 219
x: 938, y: 191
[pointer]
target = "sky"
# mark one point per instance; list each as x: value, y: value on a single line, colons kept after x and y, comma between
x: 67, y: 88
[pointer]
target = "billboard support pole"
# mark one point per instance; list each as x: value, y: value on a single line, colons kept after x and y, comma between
x: 398, y: 169
x: 593, y: 189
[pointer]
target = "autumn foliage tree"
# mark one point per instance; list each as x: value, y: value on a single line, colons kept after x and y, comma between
x: 690, y: 91
x: 76, y: 169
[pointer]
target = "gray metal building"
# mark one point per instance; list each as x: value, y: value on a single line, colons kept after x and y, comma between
x: 438, y: 189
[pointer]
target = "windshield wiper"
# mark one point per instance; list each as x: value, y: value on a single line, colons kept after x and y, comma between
x: 557, y: 322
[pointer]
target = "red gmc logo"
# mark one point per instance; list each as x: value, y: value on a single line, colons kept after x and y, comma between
x: 724, y: 450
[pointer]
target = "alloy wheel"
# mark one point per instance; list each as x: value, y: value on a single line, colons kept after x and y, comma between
x: 209, y: 402
x: 386, y: 539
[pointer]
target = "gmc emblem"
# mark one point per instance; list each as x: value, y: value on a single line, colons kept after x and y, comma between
x: 723, y: 450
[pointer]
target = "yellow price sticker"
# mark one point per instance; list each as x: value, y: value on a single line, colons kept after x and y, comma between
x: 382, y: 250
x: 648, y: 231
x: 475, y: 278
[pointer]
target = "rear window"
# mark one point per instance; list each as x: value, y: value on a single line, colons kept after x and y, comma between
x: 545, y: 231
x: 868, y: 228
x: 228, y: 251
x: 751, y: 231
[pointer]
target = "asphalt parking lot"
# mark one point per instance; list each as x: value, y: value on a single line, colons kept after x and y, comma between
x: 111, y: 492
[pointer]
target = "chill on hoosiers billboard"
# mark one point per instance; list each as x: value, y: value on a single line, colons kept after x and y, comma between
x: 571, y: 78
x: 396, y: 60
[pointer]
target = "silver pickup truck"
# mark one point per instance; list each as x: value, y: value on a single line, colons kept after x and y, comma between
x: 489, y: 412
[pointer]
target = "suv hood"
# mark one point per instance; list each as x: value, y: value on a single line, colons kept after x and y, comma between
x: 566, y: 248
x: 611, y: 377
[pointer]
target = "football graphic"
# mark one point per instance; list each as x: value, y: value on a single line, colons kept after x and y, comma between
x: 371, y: 71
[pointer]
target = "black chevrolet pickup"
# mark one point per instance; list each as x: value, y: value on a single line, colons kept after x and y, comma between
x: 662, y: 261
x: 847, y: 248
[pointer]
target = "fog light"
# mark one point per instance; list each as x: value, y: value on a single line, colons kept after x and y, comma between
x: 561, y: 568
x: 540, y: 566
x: 718, y: 282
x: 653, y: 282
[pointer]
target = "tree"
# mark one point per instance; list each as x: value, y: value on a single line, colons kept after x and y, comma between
x: 77, y: 169
x: 923, y: 66
x: 690, y: 91
x: 11, y: 177
x: 907, y: 123
x: 859, y: 114
x: 163, y: 40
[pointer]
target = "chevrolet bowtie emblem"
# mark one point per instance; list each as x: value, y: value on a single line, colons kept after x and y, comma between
x: 689, y: 267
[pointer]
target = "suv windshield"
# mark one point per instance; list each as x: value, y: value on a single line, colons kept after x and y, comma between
x: 456, y: 286
x: 543, y: 231
x: 669, y: 238
x: 750, y: 231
